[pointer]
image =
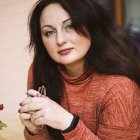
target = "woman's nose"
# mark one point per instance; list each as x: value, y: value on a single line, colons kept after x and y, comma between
x: 61, y: 38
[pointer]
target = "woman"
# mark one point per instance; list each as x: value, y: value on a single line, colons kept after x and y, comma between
x: 91, y: 76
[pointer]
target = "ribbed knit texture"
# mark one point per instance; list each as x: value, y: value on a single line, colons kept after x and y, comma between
x: 108, y: 106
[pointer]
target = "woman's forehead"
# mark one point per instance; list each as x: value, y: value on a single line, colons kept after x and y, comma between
x: 53, y: 13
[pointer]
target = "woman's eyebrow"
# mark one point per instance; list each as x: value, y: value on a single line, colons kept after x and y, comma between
x: 50, y: 26
x: 66, y: 20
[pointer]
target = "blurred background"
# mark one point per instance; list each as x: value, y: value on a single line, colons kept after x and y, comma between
x: 124, y: 12
x: 15, y: 57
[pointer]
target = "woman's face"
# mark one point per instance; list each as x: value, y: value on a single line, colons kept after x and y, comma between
x: 62, y: 42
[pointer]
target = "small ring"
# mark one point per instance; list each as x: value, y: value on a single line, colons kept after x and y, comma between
x: 38, y: 95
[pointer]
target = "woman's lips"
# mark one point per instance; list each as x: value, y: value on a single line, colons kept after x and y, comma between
x: 65, y: 51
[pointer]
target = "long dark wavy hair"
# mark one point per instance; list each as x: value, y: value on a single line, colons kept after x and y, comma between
x: 109, y: 53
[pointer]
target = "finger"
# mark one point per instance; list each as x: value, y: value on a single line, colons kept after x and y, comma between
x: 37, y: 115
x: 33, y: 93
x: 31, y: 107
x: 24, y: 116
x: 29, y: 100
x: 25, y: 101
x: 40, y: 121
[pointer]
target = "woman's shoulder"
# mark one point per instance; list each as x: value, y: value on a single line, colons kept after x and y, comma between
x: 115, y: 82
x: 117, y: 87
x: 115, y: 79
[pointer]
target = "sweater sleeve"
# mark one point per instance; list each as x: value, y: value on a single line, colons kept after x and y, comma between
x: 119, y: 118
x: 43, y: 134
x: 81, y: 132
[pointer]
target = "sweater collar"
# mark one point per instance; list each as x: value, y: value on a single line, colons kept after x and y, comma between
x: 75, y: 80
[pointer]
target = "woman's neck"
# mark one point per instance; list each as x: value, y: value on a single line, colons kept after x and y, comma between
x: 74, y: 70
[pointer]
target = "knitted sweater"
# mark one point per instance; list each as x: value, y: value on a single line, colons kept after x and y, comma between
x: 108, y: 106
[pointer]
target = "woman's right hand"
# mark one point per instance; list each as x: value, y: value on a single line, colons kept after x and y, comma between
x: 26, y: 120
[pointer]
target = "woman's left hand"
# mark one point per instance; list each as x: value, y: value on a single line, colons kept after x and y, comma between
x: 46, y: 111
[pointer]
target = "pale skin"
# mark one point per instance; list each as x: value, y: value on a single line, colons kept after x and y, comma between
x: 44, y: 112
x: 65, y: 46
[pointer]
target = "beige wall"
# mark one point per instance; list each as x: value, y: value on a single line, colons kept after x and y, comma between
x: 14, y: 60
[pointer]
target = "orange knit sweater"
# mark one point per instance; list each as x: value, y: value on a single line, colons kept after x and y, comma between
x: 108, y: 106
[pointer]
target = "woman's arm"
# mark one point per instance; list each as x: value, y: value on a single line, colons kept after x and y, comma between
x: 43, y: 134
x: 120, y: 116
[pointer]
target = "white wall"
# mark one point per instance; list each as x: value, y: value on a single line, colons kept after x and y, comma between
x: 14, y: 57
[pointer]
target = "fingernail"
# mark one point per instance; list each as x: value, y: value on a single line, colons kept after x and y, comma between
x: 29, y: 95
x: 19, y: 111
x: 38, y: 95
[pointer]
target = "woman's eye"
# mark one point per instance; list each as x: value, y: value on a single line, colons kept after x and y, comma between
x: 49, y: 33
x: 69, y: 27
